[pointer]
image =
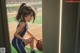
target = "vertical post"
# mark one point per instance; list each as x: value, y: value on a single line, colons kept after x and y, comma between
x: 4, y: 27
x: 69, y: 26
x: 50, y: 19
x: 78, y: 32
x: 1, y: 31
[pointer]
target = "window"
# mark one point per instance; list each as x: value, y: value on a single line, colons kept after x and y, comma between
x: 35, y: 28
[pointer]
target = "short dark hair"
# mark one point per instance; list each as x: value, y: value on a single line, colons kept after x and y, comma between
x: 24, y: 11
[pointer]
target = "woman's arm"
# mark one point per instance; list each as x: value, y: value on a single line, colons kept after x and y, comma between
x: 19, y: 29
x: 31, y: 35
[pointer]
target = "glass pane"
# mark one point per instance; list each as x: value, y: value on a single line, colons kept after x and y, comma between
x: 34, y: 28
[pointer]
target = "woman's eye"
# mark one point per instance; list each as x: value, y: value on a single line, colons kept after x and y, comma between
x: 31, y: 15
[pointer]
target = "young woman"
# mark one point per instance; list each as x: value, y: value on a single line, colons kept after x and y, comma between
x: 25, y: 14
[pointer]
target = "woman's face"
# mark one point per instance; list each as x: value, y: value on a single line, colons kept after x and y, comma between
x: 29, y: 17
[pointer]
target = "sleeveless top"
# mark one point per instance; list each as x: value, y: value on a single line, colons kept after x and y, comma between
x: 22, y: 33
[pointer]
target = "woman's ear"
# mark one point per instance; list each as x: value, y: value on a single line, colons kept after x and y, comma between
x: 21, y: 17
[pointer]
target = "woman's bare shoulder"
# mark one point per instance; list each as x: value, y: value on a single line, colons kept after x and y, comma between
x: 23, y: 24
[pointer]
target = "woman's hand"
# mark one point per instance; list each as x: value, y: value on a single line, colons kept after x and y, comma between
x: 25, y: 42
